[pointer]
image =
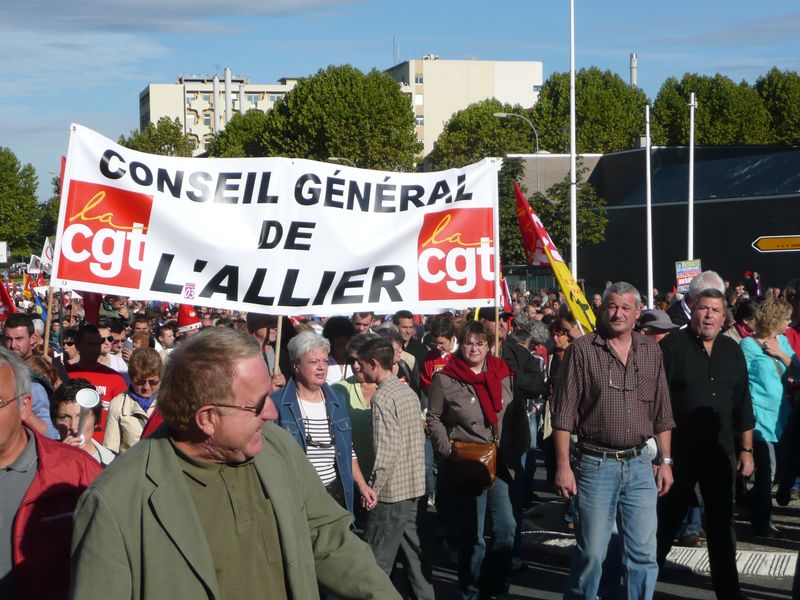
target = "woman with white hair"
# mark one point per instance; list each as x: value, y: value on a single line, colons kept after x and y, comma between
x: 316, y: 415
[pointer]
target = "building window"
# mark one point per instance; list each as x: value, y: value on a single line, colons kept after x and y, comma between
x: 206, y: 97
x: 421, y: 121
x: 419, y: 99
x: 275, y: 97
x: 207, y: 121
x: 190, y: 120
x: 253, y: 98
x: 418, y: 78
x: 190, y: 97
x: 537, y: 89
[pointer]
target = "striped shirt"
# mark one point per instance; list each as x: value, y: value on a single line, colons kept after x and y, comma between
x: 320, y: 451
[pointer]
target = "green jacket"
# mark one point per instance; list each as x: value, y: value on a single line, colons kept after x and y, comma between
x: 137, y: 534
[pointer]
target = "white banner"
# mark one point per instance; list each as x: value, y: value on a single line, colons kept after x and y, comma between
x: 274, y: 235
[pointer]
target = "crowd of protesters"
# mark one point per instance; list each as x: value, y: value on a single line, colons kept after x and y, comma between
x: 315, y: 432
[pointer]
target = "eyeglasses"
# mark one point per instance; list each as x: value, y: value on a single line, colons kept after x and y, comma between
x: 108, y: 339
x: 256, y: 410
x: 4, y: 403
x: 311, y: 442
x: 69, y: 343
x: 476, y: 344
x: 623, y: 388
x: 152, y: 382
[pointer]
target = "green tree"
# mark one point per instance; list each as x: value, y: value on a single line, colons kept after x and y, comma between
x: 18, y: 205
x: 48, y: 211
x: 780, y: 92
x: 553, y: 208
x: 475, y: 133
x: 166, y: 138
x: 609, y: 113
x: 241, y: 136
x: 727, y: 112
x: 341, y: 111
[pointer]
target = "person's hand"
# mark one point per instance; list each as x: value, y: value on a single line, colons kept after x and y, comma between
x: 565, y: 482
x: 278, y: 380
x: 123, y: 312
x: 664, y: 478
x: 369, y: 499
x: 74, y: 440
x: 773, y: 348
x: 126, y: 353
x: 745, y: 464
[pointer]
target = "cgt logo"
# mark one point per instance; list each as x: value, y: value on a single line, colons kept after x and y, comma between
x: 456, y: 255
x: 103, y: 240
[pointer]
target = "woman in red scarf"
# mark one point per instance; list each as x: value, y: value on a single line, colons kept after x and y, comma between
x: 467, y: 402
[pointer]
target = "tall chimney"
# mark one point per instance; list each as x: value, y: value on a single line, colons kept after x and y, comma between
x: 228, y: 95
x: 216, y: 104
x: 634, y: 82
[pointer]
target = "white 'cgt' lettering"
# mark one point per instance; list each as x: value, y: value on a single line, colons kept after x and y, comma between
x: 106, y: 264
x: 461, y: 266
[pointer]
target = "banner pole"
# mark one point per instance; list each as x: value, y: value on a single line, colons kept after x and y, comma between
x: 49, y: 320
x: 496, y: 236
x: 277, y: 369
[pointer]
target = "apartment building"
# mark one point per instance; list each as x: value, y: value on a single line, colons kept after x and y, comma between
x: 438, y: 88
x: 205, y: 103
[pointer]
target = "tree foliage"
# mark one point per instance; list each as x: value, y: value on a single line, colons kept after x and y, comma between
x: 609, y: 113
x: 727, y: 112
x: 780, y: 93
x: 48, y: 211
x: 553, y: 208
x: 19, y: 209
x: 473, y: 134
x: 343, y: 112
x: 241, y: 136
x: 166, y: 138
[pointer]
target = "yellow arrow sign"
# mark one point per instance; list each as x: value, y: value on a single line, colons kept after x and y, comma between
x: 777, y: 243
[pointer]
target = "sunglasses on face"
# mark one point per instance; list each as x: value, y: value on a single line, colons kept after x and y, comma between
x: 108, y: 339
x: 152, y: 382
x: 70, y: 343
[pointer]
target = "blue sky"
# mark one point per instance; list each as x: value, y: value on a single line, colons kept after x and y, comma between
x: 87, y: 60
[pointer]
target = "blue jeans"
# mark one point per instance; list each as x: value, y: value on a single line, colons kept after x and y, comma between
x: 483, y: 573
x: 529, y: 458
x: 610, y: 489
x: 764, y: 459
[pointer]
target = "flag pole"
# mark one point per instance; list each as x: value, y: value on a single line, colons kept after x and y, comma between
x: 496, y: 236
x: 277, y: 369
x: 49, y: 320
x: 650, y: 284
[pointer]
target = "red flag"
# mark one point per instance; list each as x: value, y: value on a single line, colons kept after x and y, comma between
x: 505, y: 295
x: 531, y: 243
x: 7, y: 306
x: 40, y: 280
x: 27, y: 284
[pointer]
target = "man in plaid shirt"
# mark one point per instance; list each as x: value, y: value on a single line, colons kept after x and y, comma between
x: 612, y: 394
x: 398, y: 476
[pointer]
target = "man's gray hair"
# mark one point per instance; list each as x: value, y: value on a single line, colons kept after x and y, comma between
x: 304, y: 342
x: 706, y: 280
x: 540, y: 332
x: 22, y: 374
x: 522, y: 330
x: 620, y: 288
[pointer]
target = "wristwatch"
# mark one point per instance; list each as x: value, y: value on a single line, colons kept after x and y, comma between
x: 665, y: 461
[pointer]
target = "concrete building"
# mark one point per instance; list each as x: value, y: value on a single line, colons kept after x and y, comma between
x: 438, y: 88
x: 205, y: 103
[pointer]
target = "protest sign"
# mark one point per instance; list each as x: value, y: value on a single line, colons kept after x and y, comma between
x: 274, y: 235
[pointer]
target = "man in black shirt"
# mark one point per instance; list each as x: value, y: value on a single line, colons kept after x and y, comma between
x: 707, y: 376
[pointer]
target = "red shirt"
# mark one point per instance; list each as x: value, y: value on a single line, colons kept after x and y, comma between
x: 109, y: 385
x: 433, y: 363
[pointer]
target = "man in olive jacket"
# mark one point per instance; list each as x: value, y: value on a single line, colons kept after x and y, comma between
x: 218, y: 503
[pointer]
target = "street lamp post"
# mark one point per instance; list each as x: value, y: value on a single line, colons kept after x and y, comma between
x: 343, y: 161
x: 502, y: 115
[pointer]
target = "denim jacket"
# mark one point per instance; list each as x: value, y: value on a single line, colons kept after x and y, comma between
x: 291, y: 419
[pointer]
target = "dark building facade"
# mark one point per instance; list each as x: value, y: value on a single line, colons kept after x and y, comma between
x: 741, y: 193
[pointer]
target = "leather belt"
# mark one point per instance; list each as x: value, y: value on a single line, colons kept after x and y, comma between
x: 615, y: 454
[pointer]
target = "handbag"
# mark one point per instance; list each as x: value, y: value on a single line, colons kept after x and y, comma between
x: 473, y: 465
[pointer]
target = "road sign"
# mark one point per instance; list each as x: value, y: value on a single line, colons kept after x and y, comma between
x: 777, y: 243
